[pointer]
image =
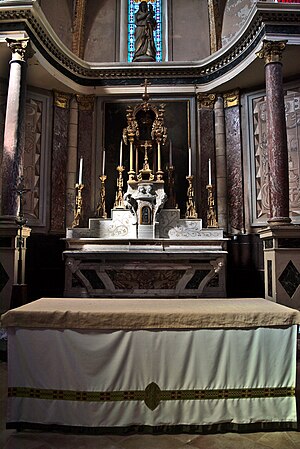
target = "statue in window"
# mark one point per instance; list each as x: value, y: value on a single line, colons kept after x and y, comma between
x: 144, y: 39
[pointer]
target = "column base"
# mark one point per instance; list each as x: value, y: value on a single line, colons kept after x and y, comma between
x: 279, y: 221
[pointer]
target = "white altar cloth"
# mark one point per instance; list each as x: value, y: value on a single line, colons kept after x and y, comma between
x: 151, y: 376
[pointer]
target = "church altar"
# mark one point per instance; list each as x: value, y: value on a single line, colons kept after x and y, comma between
x: 148, y: 247
x: 99, y: 364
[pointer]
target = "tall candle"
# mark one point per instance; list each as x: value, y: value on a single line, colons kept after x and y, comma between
x: 170, y: 154
x: 121, y: 153
x: 190, y: 161
x: 209, y: 172
x: 80, y: 170
x: 103, y: 161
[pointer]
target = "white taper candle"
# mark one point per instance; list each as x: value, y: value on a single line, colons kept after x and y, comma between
x: 103, y: 161
x: 121, y: 153
x: 190, y: 161
x: 209, y: 172
x: 80, y: 170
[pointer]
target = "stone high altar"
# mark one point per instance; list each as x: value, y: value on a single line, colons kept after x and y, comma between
x: 145, y: 249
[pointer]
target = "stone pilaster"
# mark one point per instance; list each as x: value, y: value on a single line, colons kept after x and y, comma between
x: 221, y: 172
x: 235, y: 195
x: 85, y: 144
x: 72, y: 169
x: 206, y: 146
x: 14, y: 131
x: 59, y: 162
x: 271, y: 52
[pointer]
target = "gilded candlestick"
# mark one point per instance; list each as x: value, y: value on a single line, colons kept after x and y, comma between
x: 119, y: 201
x: 190, y: 204
x: 78, y: 205
x: 101, y: 208
x: 211, y: 214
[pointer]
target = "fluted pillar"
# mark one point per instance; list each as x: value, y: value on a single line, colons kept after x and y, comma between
x: 14, y: 131
x: 271, y: 52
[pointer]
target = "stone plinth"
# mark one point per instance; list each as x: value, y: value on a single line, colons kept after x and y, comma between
x: 282, y: 264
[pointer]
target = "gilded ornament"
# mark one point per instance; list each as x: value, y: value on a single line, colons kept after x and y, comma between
x: 20, y: 48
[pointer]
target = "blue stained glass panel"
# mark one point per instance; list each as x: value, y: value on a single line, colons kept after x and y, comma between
x: 133, y: 6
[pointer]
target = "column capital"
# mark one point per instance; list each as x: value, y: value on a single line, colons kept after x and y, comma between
x: 85, y: 102
x: 62, y: 100
x: 206, y: 101
x: 271, y: 51
x: 231, y: 98
x: 20, y: 48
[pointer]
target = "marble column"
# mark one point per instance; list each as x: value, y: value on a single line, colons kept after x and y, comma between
x: 221, y: 166
x: 206, y: 146
x: 14, y: 131
x: 271, y: 52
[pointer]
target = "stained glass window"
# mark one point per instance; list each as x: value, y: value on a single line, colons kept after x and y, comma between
x: 133, y: 6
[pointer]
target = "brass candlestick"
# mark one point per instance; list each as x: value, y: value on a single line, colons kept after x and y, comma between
x: 211, y: 215
x: 190, y: 204
x: 78, y: 205
x: 119, y: 202
x: 101, y: 208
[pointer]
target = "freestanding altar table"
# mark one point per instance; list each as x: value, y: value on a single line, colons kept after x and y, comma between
x: 127, y: 363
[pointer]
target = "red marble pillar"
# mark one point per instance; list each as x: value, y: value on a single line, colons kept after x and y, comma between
x: 276, y: 137
x: 14, y: 131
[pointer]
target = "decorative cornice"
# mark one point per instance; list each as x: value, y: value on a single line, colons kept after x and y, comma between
x: 206, y: 101
x: 264, y: 18
x: 231, y: 99
x: 85, y: 102
x: 271, y: 51
x: 62, y: 100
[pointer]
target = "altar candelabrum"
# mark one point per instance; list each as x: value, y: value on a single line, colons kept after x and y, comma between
x: 190, y: 204
x: 119, y: 201
x: 211, y: 214
x: 78, y: 205
x: 101, y: 208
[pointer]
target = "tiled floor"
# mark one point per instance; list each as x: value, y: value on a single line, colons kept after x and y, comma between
x: 10, y: 439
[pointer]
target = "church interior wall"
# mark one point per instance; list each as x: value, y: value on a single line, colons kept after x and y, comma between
x: 59, y: 15
x: 101, y: 31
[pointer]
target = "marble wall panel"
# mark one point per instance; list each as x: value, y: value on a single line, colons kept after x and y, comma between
x: 234, y: 169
